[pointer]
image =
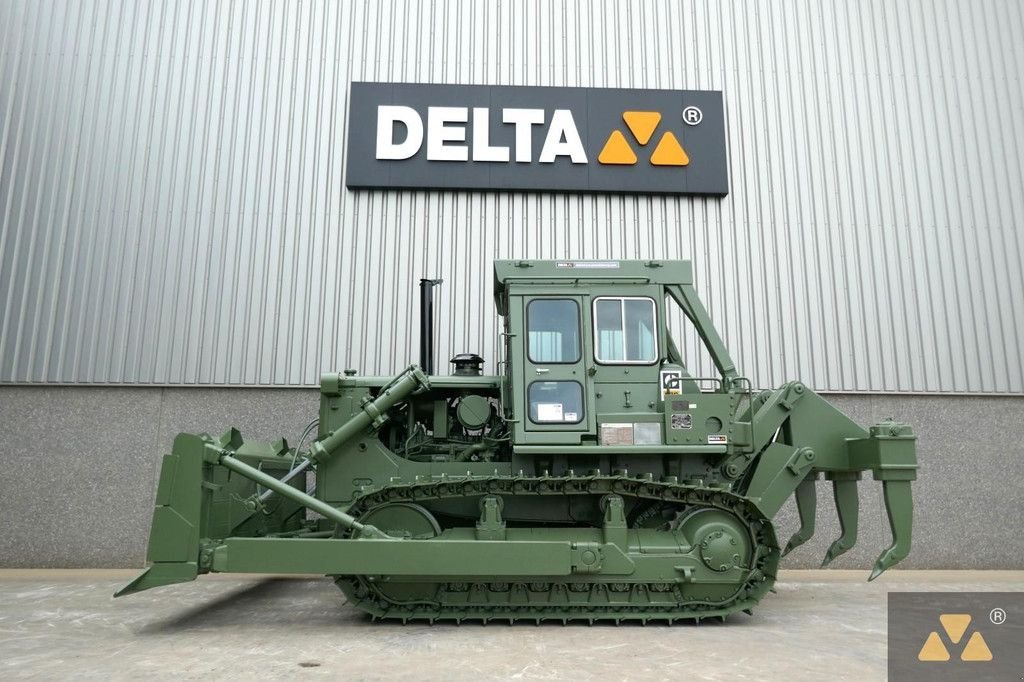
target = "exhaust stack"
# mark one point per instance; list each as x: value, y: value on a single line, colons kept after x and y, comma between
x: 427, y: 324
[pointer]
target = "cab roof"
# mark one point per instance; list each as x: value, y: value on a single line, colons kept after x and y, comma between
x: 583, y: 272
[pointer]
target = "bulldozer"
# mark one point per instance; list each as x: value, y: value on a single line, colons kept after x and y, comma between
x: 592, y: 478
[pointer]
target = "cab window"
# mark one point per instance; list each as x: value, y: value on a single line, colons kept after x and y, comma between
x: 553, y: 330
x: 556, y: 402
x: 625, y: 330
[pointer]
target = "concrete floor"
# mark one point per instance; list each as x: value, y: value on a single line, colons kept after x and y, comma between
x: 56, y: 624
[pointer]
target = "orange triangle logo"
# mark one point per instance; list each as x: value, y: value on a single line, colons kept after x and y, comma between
x: 617, y: 151
x: 933, y: 649
x: 669, y: 152
x: 955, y: 625
x: 976, y: 649
x: 642, y: 124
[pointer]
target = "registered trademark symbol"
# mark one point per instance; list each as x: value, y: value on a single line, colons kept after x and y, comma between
x: 997, y: 616
x: 692, y: 116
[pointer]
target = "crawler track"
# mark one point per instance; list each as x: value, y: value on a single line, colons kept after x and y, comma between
x: 590, y: 598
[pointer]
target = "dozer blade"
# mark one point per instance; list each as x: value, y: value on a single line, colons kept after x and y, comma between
x: 198, y: 500
x: 900, y: 507
x: 844, y: 489
x: 159, y: 575
x: 174, y: 534
x: 806, y: 505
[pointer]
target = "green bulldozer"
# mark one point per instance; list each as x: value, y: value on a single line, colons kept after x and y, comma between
x: 592, y: 478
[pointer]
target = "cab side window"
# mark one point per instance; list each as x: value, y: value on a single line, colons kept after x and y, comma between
x: 625, y: 330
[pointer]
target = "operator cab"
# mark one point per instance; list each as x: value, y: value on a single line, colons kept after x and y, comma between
x: 589, y: 360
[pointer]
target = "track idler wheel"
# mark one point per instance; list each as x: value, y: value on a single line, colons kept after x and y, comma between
x: 403, y: 520
x: 723, y: 540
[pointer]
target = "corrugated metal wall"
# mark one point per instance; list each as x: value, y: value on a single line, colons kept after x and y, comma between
x: 173, y: 208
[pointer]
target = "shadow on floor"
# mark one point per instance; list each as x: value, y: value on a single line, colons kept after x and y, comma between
x: 285, y: 599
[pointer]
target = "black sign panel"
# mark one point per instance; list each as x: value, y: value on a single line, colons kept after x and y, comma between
x: 414, y: 136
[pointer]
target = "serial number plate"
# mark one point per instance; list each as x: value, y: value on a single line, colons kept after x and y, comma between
x: 682, y: 421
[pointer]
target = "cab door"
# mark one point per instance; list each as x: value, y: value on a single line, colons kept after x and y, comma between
x: 554, y: 351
